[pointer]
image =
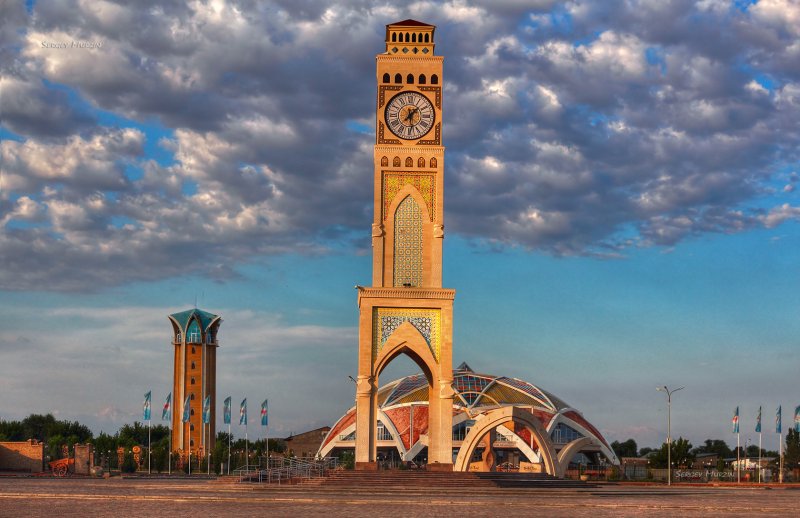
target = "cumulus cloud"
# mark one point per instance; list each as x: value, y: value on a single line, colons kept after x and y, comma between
x: 199, y: 135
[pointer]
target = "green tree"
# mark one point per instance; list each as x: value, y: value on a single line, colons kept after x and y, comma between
x: 717, y: 446
x: 625, y: 449
x: 791, y: 454
x: 681, y: 453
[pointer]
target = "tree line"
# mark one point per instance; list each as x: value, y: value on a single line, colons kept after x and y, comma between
x: 684, y: 454
x: 55, y: 433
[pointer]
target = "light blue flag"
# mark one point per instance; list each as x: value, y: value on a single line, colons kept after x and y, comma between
x: 166, y: 412
x: 146, y: 406
x: 187, y: 411
x: 226, y: 413
x: 207, y: 409
x: 264, y: 412
x: 758, y: 421
x: 735, y: 421
x: 243, y: 412
x: 778, y: 419
x: 797, y: 419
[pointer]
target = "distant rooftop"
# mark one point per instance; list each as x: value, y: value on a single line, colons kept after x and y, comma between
x: 410, y: 23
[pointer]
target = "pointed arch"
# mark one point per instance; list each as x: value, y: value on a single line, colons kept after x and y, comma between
x: 433, y: 163
x: 398, y: 78
x: 384, y: 161
x: 495, y: 418
x: 386, y: 77
x: 409, y: 162
x: 422, y: 79
x: 420, y: 162
x: 434, y: 79
x: 410, y: 79
x: 396, y: 161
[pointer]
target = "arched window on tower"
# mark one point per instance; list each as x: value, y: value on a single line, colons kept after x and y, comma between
x: 384, y: 161
x: 422, y: 79
x: 398, y: 78
x: 191, y: 381
x: 434, y: 79
x: 426, y: 39
x: 409, y: 162
x: 421, y: 162
x: 408, y: 244
x: 387, y: 78
x: 413, y: 38
x: 410, y: 79
x: 407, y: 38
x: 191, y: 396
x: 396, y: 161
x: 192, y: 365
x: 193, y: 334
x: 394, y: 36
x: 433, y: 162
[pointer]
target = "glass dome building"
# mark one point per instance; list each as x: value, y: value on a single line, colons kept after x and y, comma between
x: 403, y: 423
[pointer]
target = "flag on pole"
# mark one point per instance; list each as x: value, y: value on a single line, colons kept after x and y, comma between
x: 264, y: 412
x: 758, y: 421
x: 735, y: 421
x: 226, y: 414
x: 165, y: 412
x: 797, y: 419
x: 778, y: 420
x: 207, y: 409
x: 187, y: 411
x: 146, y: 406
x: 243, y: 412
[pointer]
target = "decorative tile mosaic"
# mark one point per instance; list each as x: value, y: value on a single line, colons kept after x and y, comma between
x: 423, y: 182
x: 408, y: 244
x: 386, y: 320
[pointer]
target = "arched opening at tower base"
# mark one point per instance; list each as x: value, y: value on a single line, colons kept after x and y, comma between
x: 406, y: 340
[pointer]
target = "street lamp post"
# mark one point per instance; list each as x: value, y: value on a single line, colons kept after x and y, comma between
x: 669, y: 429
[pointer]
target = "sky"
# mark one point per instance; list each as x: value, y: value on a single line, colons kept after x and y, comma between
x: 621, y: 203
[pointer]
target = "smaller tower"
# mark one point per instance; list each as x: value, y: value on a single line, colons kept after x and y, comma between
x: 194, y: 337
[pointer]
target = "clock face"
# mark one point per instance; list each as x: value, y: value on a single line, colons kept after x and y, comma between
x: 409, y: 115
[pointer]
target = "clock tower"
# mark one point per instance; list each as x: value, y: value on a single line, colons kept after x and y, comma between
x: 406, y: 310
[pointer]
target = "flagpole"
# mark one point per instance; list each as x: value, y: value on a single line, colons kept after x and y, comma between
x: 208, y: 448
x: 190, y: 448
x: 149, y: 422
x: 169, y: 460
x: 759, y: 457
x: 229, y: 448
x: 780, y: 457
x: 246, y: 450
x: 738, y: 461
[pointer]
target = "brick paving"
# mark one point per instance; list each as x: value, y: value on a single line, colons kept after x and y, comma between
x: 178, y: 497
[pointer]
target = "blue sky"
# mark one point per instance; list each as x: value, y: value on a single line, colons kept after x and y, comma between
x: 621, y: 204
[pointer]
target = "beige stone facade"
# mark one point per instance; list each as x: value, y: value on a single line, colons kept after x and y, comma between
x: 406, y: 310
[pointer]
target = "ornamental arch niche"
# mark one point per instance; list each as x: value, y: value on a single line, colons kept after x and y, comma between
x: 495, y: 418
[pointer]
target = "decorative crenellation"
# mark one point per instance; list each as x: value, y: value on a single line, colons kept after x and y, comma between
x: 408, y: 293
x: 386, y: 320
x: 394, y: 181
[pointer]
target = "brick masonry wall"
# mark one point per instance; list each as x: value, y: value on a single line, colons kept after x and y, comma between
x: 22, y: 456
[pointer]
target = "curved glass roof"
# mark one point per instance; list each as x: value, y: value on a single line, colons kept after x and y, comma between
x: 472, y: 390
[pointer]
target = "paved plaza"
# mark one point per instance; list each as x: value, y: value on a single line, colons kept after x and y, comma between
x: 164, y: 497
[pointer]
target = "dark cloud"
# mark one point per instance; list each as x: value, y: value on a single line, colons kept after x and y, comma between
x: 577, y: 128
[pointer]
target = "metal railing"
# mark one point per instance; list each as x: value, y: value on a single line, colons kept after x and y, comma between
x: 280, y: 469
